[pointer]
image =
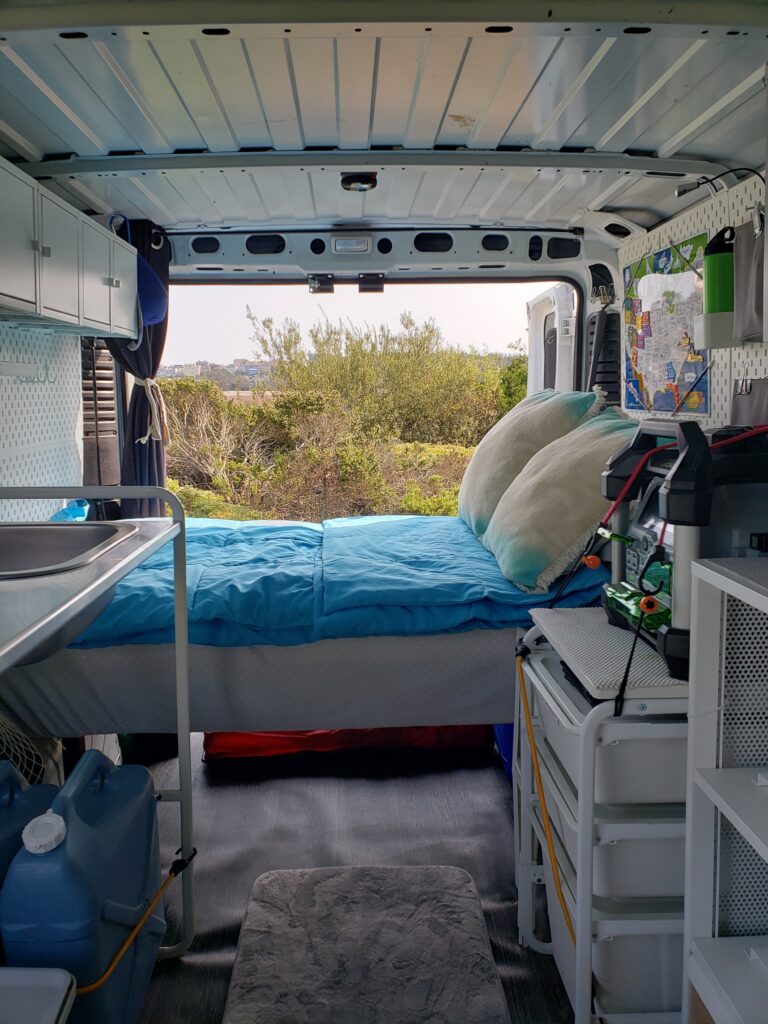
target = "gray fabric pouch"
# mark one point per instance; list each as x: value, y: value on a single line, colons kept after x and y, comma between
x: 747, y: 283
x: 750, y: 407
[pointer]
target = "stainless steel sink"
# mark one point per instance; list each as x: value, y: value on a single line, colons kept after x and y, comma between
x: 41, y: 549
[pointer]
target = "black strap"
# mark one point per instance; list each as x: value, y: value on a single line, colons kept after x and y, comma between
x: 618, y: 704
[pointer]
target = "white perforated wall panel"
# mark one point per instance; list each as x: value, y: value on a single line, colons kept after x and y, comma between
x: 731, y: 207
x: 40, y: 417
x: 742, y: 874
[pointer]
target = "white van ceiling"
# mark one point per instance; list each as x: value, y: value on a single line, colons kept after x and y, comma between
x: 225, y: 125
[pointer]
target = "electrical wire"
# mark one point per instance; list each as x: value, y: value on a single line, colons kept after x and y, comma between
x: 543, y: 800
x: 175, y: 870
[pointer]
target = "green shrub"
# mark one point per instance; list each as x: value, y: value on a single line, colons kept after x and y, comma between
x: 207, y: 504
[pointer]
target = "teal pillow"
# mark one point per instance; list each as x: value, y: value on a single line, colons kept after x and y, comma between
x: 511, y: 442
x: 545, y: 518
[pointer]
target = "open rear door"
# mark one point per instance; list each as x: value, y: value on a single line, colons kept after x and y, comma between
x: 552, y: 339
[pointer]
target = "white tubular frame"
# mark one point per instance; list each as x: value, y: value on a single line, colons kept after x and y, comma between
x: 641, y: 725
x: 182, y: 795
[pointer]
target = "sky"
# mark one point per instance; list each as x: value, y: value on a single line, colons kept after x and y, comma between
x: 208, y: 322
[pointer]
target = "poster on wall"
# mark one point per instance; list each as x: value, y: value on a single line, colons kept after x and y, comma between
x: 663, y: 293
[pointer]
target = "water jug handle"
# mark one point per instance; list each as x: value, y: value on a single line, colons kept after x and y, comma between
x: 91, y: 771
x: 11, y: 783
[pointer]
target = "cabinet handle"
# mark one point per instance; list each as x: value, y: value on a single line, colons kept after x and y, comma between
x: 114, y: 282
x: 44, y: 250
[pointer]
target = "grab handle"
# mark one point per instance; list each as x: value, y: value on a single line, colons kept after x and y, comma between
x: 92, y: 769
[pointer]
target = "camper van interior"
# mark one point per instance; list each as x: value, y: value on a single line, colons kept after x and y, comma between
x: 312, y: 710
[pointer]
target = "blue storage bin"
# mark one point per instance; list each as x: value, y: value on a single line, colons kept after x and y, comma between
x: 19, y: 803
x: 503, y: 734
x: 73, y: 906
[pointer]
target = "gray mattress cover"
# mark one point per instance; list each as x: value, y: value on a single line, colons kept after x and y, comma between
x: 379, y: 945
x: 448, y: 679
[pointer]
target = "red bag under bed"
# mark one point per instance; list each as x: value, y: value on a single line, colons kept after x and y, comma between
x: 268, y: 744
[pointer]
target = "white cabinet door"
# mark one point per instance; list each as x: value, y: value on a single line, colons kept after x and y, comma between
x: 96, y: 291
x: 60, y: 248
x: 123, y: 288
x: 18, y: 273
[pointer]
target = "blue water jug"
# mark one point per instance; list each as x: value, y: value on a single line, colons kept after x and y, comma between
x: 73, y: 904
x: 19, y: 803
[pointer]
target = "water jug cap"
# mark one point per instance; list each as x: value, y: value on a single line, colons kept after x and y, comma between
x: 44, y: 833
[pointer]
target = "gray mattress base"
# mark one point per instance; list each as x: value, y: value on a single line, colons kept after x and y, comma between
x: 365, y: 946
x: 447, y: 679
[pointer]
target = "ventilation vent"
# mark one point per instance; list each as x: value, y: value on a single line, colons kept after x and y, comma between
x: 101, y: 447
x: 205, y: 243
x: 535, y: 247
x: 618, y: 230
x: 495, y: 243
x: 384, y: 245
x: 563, y: 248
x: 433, y: 241
x: 265, y: 245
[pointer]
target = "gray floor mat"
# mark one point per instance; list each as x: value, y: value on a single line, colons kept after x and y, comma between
x: 365, y: 808
x: 384, y: 945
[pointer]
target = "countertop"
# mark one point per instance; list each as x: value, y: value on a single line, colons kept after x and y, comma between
x: 33, y: 609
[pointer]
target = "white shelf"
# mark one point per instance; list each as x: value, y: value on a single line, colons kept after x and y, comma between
x: 734, y: 987
x: 735, y: 794
x: 743, y: 578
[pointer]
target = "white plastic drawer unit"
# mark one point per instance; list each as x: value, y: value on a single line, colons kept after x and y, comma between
x: 637, y: 967
x: 627, y: 770
x: 18, y: 235
x: 59, y: 262
x: 634, y: 865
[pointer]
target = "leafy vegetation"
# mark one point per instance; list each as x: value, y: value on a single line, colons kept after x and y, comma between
x: 361, y: 421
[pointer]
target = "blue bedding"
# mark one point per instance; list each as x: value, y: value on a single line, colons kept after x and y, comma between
x: 288, y: 583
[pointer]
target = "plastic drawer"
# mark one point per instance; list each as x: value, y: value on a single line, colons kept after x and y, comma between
x: 625, y: 868
x: 643, y: 771
x: 632, y: 973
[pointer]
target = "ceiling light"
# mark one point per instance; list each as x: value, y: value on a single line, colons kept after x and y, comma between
x: 363, y: 181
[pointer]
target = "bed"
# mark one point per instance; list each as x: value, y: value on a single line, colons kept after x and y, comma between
x: 351, y: 623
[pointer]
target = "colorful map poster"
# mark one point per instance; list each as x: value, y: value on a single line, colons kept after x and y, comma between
x: 662, y: 295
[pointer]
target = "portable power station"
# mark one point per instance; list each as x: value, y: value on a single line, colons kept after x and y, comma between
x: 697, y: 498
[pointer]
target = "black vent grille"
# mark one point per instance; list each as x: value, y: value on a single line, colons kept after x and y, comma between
x: 607, y: 372
x: 101, y: 446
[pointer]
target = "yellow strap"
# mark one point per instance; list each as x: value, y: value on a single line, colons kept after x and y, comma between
x: 543, y: 801
x: 85, y: 989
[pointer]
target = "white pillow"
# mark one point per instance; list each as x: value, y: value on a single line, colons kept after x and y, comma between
x: 545, y: 518
x: 511, y: 442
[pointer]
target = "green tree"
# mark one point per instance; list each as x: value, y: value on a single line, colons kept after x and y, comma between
x: 406, y: 384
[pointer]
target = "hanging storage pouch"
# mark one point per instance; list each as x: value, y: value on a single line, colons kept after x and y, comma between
x: 748, y: 283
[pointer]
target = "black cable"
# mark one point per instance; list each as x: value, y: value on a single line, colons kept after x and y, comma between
x: 618, y: 704
x: 735, y: 170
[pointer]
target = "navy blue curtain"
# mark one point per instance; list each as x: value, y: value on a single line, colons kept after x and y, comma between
x: 143, y: 456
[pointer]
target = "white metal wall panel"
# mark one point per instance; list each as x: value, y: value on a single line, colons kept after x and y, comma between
x: 40, y: 419
x: 355, y: 68
x: 175, y: 89
x: 272, y: 75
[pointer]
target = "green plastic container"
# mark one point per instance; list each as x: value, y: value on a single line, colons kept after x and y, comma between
x: 718, y: 272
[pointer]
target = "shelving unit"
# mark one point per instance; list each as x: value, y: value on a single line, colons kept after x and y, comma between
x: 615, y: 789
x: 726, y: 922
x: 35, y: 614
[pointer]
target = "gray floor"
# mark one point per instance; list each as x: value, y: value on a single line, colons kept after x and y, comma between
x: 362, y: 808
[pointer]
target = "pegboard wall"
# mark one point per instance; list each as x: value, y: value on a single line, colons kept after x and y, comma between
x: 742, y: 883
x: 731, y: 207
x: 40, y: 417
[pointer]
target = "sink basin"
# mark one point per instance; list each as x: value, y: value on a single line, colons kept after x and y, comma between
x: 41, y: 549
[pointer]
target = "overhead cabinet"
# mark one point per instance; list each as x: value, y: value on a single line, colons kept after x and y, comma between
x: 58, y: 268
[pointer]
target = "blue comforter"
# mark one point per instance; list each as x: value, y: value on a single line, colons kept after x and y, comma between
x: 292, y: 583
